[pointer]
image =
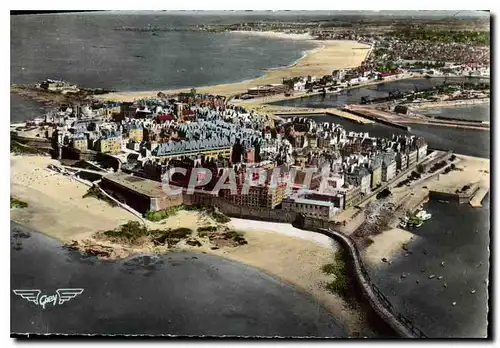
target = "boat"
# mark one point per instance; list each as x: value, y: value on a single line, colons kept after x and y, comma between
x: 423, y: 215
x: 415, y: 222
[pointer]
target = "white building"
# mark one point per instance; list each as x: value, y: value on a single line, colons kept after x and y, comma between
x: 299, y: 86
x: 310, y: 208
x: 421, y: 152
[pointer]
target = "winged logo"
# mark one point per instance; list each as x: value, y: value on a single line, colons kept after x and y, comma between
x: 67, y: 294
x: 61, y: 296
x: 30, y: 295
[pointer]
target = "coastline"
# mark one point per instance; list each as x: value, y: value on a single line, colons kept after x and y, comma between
x: 319, y: 61
x: 295, y: 257
x: 274, y: 34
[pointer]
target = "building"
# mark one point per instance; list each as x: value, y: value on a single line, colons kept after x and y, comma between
x: 401, y: 109
x: 80, y: 142
x: 299, y: 86
x: 264, y: 90
x: 127, y: 110
x: 412, y: 158
x: 262, y: 196
x: 388, y: 166
x: 310, y: 207
x: 401, y: 161
x: 109, y: 145
x: 376, y: 172
x: 140, y: 194
x: 312, y: 141
x: 360, y: 176
x: 109, y: 142
x: 136, y: 133
x: 133, y: 145
x: 421, y: 149
x: 352, y: 195
x: 334, y: 181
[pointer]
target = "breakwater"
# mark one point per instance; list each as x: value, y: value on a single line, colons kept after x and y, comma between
x: 401, y: 325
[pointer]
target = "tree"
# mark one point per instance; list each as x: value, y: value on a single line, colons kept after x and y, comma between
x: 193, y: 91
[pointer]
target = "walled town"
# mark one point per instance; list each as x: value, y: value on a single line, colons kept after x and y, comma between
x: 142, y: 141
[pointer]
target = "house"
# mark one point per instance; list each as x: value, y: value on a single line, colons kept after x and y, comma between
x: 421, y: 149
x: 299, y: 86
x: 412, y: 158
x: 375, y: 169
x: 136, y: 133
x: 80, y: 142
x: 401, y: 161
x: 360, y: 176
x: 388, y: 166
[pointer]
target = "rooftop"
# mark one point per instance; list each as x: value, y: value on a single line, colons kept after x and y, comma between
x: 301, y: 200
x: 146, y: 187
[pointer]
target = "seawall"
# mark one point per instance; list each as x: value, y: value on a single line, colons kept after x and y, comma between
x: 403, y: 326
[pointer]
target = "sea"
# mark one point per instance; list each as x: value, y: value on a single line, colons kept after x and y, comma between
x: 176, y: 293
x: 454, y: 245
x: 87, y: 50
x: 192, y: 294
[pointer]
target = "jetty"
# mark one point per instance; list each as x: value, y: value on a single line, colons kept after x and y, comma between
x: 478, y: 197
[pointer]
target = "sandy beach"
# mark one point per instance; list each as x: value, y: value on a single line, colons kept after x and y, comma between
x: 329, y: 56
x: 56, y: 208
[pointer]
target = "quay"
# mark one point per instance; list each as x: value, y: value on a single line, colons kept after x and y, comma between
x: 463, y: 195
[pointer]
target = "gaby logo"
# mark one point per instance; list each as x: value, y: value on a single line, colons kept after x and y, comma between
x: 61, y: 296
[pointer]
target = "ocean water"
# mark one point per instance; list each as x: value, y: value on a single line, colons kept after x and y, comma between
x: 22, y: 109
x: 459, y: 236
x: 176, y: 293
x: 86, y: 50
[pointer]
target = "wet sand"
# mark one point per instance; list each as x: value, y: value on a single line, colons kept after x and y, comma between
x: 329, y: 56
x: 385, y: 245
